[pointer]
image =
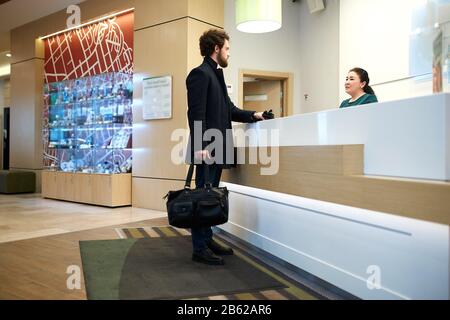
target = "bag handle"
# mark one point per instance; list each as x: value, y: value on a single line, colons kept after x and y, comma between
x: 187, y: 184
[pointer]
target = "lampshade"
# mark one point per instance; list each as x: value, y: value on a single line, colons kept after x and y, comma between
x: 258, y: 16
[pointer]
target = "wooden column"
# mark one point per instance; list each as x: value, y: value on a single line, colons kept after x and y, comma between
x: 168, y: 47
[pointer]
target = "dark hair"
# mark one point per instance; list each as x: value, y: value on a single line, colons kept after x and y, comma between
x: 210, y: 39
x: 364, y: 77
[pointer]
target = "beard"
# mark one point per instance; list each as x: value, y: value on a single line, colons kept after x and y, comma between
x: 223, y: 63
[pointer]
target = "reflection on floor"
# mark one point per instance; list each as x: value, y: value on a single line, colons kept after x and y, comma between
x: 29, y: 216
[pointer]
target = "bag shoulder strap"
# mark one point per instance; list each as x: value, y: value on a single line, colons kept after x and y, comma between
x: 187, y: 184
x: 208, y: 182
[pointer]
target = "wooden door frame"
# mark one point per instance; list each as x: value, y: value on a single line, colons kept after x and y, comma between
x: 287, y: 83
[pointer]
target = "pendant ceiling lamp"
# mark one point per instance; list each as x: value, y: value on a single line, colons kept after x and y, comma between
x: 258, y: 16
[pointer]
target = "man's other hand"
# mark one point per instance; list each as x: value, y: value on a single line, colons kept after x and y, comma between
x: 202, y: 154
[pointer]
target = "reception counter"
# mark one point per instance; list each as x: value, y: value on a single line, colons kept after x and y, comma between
x: 360, y: 197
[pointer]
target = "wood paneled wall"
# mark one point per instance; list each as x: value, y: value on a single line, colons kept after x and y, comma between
x: 166, y: 43
x: 169, y: 48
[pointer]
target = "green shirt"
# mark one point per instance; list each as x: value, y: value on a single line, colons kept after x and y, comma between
x: 364, y: 99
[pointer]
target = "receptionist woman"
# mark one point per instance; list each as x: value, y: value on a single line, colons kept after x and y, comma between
x: 357, y: 86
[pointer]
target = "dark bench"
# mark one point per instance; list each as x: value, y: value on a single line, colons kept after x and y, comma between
x: 17, y: 181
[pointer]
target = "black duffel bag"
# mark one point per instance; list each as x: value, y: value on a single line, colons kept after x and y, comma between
x: 197, y: 208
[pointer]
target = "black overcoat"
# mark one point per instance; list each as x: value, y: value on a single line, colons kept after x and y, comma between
x: 210, y: 105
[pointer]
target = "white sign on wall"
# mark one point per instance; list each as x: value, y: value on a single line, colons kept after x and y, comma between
x: 157, y: 98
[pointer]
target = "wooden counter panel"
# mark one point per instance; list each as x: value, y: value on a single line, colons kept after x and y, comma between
x: 343, y: 159
x: 110, y: 190
x: 299, y: 174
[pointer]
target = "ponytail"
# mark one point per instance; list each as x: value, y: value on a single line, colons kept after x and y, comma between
x: 368, y: 89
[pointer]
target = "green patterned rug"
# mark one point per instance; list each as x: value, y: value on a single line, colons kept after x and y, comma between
x: 155, y: 263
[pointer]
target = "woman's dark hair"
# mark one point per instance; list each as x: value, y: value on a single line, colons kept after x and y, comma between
x: 210, y: 39
x: 364, y: 77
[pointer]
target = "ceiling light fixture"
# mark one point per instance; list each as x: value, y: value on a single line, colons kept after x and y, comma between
x: 258, y: 16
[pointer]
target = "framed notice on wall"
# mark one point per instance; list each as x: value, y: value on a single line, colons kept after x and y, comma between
x: 157, y: 98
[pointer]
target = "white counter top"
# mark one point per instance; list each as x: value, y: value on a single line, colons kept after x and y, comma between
x: 407, y: 138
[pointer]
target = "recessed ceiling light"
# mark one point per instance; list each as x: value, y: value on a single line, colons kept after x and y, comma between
x: 9, y: 55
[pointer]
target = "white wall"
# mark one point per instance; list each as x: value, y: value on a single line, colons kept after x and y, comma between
x: 307, y: 45
x: 381, y: 36
x: 320, y: 48
x: 319, y: 57
x: 274, y: 51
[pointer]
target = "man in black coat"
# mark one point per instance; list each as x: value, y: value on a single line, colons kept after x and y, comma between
x: 211, y: 111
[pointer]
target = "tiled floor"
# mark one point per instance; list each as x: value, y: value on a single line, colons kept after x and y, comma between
x: 30, y: 216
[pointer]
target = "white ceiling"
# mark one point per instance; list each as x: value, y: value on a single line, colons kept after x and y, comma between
x: 15, y: 13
